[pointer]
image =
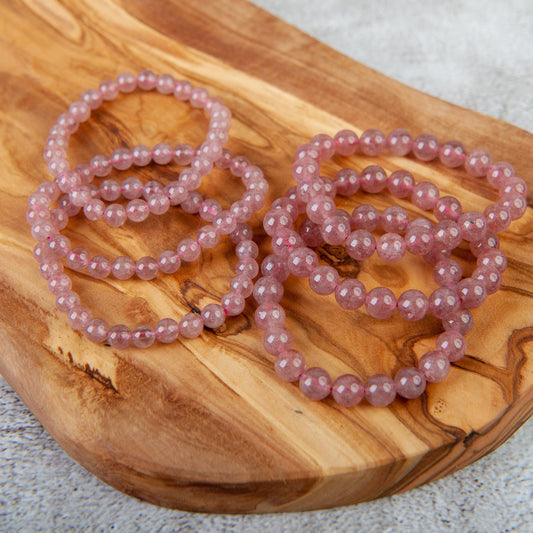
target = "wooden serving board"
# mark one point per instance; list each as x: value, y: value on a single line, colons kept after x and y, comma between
x: 204, y: 424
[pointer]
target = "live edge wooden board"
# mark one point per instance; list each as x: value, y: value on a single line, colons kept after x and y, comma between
x: 204, y: 424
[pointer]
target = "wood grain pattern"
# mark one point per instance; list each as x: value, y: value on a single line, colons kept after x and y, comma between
x: 204, y: 424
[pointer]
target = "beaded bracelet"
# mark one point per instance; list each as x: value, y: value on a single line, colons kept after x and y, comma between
x: 410, y: 382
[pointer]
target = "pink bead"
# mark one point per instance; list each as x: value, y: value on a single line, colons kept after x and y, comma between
x: 426, y: 147
x: 390, y: 247
x: 311, y: 233
x: 127, y: 82
x: 276, y: 219
x: 146, y: 80
x: 121, y: 159
x: 77, y: 259
x: 401, y: 183
x: 213, y: 316
x: 320, y: 208
x: 146, y: 268
x: 207, y: 237
x: 437, y: 254
x: 188, y: 250
x: 289, y: 365
x: 492, y: 258
x: 498, y: 173
x: 276, y: 266
x: 50, y: 268
x: 176, y: 193
x: 447, y: 235
x: 325, y: 145
x: 302, y: 261
x: 190, y: 179
x: 115, y: 215
x: 209, y: 210
x: 360, y: 245
x: 306, y: 151
x: 247, y: 266
x: 119, y: 336
x: 347, y: 182
x: 191, y: 326
x: 304, y: 169
x: 79, y: 317
x: 287, y: 205
x: 166, y: 330
x: 42, y: 253
x: 79, y: 196
x: 59, y: 246
x: 324, y: 279
x: 452, y: 344
x: 59, y: 218
x: 350, y: 294
x: 183, y: 154
x: 490, y: 278
x: 346, y: 142
x: 443, y: 302
x: 267, y: 289
x: 225, y: 223
x: 59, y: 283
x: 199, y: 97
x: 233, y: 303
x: 137, y: 210
x: 380, y: 390
x: 162, y: 154
x: 285, y: 241
x: 79, y: 111
x: 452, y: 154
x: 158, y: 203
x: 150, y: 188
x: 37, y: 214
x: 412, y: 305
x: 242, y: 284
x: 269, y: 315
x: 473, y: 225
x: 315, y: 383
x: 99, y: 267
x: 335, y: 230
x: 142, y: 155
x: 108, y: 89
x: 43, y: 230
x: 66, y: 301
x: 165, y: 84
x: 277, y: 340
x: 247, y: 248
x: 399, y: 142
x: 97, y: 330
x: 94, y: 209
x: 447, y: 273
x: 394, y: 219
x: 183, y: 90
x: 461, y: 321
x: 514, y: 185
x: 477, y: 163
x: 373, y: 179
x: 93, y: 98
x: 372, y: 142
x: 380, y: 303
x: 365, y: 217
x: 447, y: 208
x: 418, y: 239
x: 348, y: 390
x: 435, y: 366
x: 168, y: 262
x: 143, y: 336
x: 471, y: 292
x: 123, y: 268
x: 410, y: 383
x: 425, y: 195
x: 516, y: 204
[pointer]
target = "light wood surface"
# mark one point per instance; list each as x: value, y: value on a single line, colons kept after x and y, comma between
x: 205, y: 424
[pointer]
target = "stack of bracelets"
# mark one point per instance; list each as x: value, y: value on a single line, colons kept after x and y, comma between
x: 72, y: 191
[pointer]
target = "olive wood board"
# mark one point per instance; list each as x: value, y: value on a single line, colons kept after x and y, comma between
x: 205, y: 424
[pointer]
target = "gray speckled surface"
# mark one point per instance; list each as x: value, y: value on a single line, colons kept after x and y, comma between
x: 478, y: 55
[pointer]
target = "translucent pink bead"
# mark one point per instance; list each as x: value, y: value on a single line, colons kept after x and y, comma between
x: 435, y: 366
x: 401, y: 183
x: 286, y: 241
x: 242, y: 284
x: 452, y: 344
x: 137, y: 210
x: 176, y: 193
x: 123, y: 267
x: 151, y: 187
x: 360, y: 245
x: 276, y: 219
x: 100, y: 165
x: 498, y: 172
x: 42, y: 253
x: 79, y: 111
x: 348, y: 390
x: 213, y: 316
x: 97, y: 330
x: 146, y: 268
x: 418, y: 239
x: 461, y: 321
x: 492, y: 258
x: 304, y: 169
x: 115, y: 215
x: 247, y: 266
x: 146, y: 80
x: 516, y: 204
x: 269, y: 315
x: 59, y: 245
x: 287, y: 205
x: 437, y: 254
x: 207, y: 237
x: 267, y: 289
x: 121, y: 159
x: 276, y: 266
x: 168, y: 262
x: 394, y: 219
x: 425, y: 195
x: 471, y: 292
x: 94, y: 209
x: 390, y: 247
x: 158, y: 203
x: 59, y: 283
x: 412, y: 305
x: 78, y: 258
x: 380, y: 390
x: 380, y: 303
x: 166, y: 330
x: 372, y: 142
x: 443, y: 302
x: 347, y: 182
x: 426, y: 147
x: 477, y: 163
x: 365, y: 217
x: 514, y: 185
x: 247, y: 249
x: 142, y: 155
x: 241, y: 233
x: 277, y: 340
x: 209, y: 209
x: 320, y: 208
x: 325, y: 145
x: 399, y: 142
x: 183, y: 90
x: 43, y: 230
x: 66, y: 301
x: 410, y: 382
x: 335, y: 230
x: 373, y: 179
x: 311, y: 233
x: 289, y: 365
x: 59, y: 218
x: 50, y: 268
x: 447, y: 273
x: 119, y: 336
x: 37, y: 214
x: 108, y: 89
x: 143, y: 336
x: 233, y: 303
x: 93, y: 98
x: 473, y: 225
x: 127, y: 82
x: 191, y: 326
x: 447, y: 235
x: 99, y: 267
x: 324, y: 279
x: 79, y: 317
x: 302, y: 261
x: 346, y: 142
x: 79, y: 196
x: 190, y: 179
x: 225, y: 223
x: 350, y: 294
x: 165, y: 84
x: 188, y: 250
x: 447, y: 208
x: 315, y: 383
x: 452, y: 154
x: 490, y: 278
x: 306, y: 151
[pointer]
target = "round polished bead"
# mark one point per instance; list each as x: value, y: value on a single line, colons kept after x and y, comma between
x: 79, y: 196
x: 324, y: 279
x: 320, y: 208
x: 452, y: 154
x: 168, y: 262
x: 401, y: 183
x: 443, y: 302
x: 394, y: 219
x: 99, y: 267
x: 79, y: 317
x: 114, y: 215
x: 399, y: 142
x: 307, y: 151
x: 123, y: 267
x: 108, y: 89
x: 350, y: 294
x: 276, y: 266
x: 373, y: 179
x: 410, y: 382
x: 492, y: 258
x: 425, y: 195
x: 514, y: 185
x: 390, y: 247
x: 365, y: 217
x: 315, y: 383
x: 119, y: 336
x: 277, y: 340
x: 247, y: 266
x: 247, y: 249
x: 269, y: 315
x: 59, y: 245
x: 242, y: 284
x: 418, y: 239
x: 137, y: 210
x: 472, y: 293
x: 94, y: 209
x: 360, y: 245
x: 452, y: 344
x: 207, y: 237
x: 461, y: 321
x: 110, y: 190
x: 121, y: 159
x: 348, y: 390
x: 347, y: 182
x: 304, y: 169
x: 302, y: 261
x: 78, y: 258
x: 166, y: 330
x: 435, y: 366
x: 158, y: 203
x: 225, y: 223
x: 127, y: 82
x: 146, y: 268
x: 447, y: 208
x: 142, y: 155
x: 380, y: 303
x: 289, y: 365
x: 346, y: 142
x: 447, y: 235
x: 66, y: 301
x: 490, y: 278
x: 372, y: 142
x: 311, y: 233
x: 473, y: 225
x: 447, y: 273
x: 213, y: 316
x: 276, y: 219
x: 43, y: 230
x: 59, y: 283
x: 380, y: 390
x: 50, y: 268
x: 97, y: 330
x: 93, y: 98
x: 335, y: 230
x: 192, y: 202
x: 498, y: 172
x: 268, y: 289
x: 325, y: 145
x: 412, y: 305
x: 477, y: 163
x: 188, y: 250
x: 191, y: 326
x: 426, y: 147
x: 516, y: 204
x: 143, y: 336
